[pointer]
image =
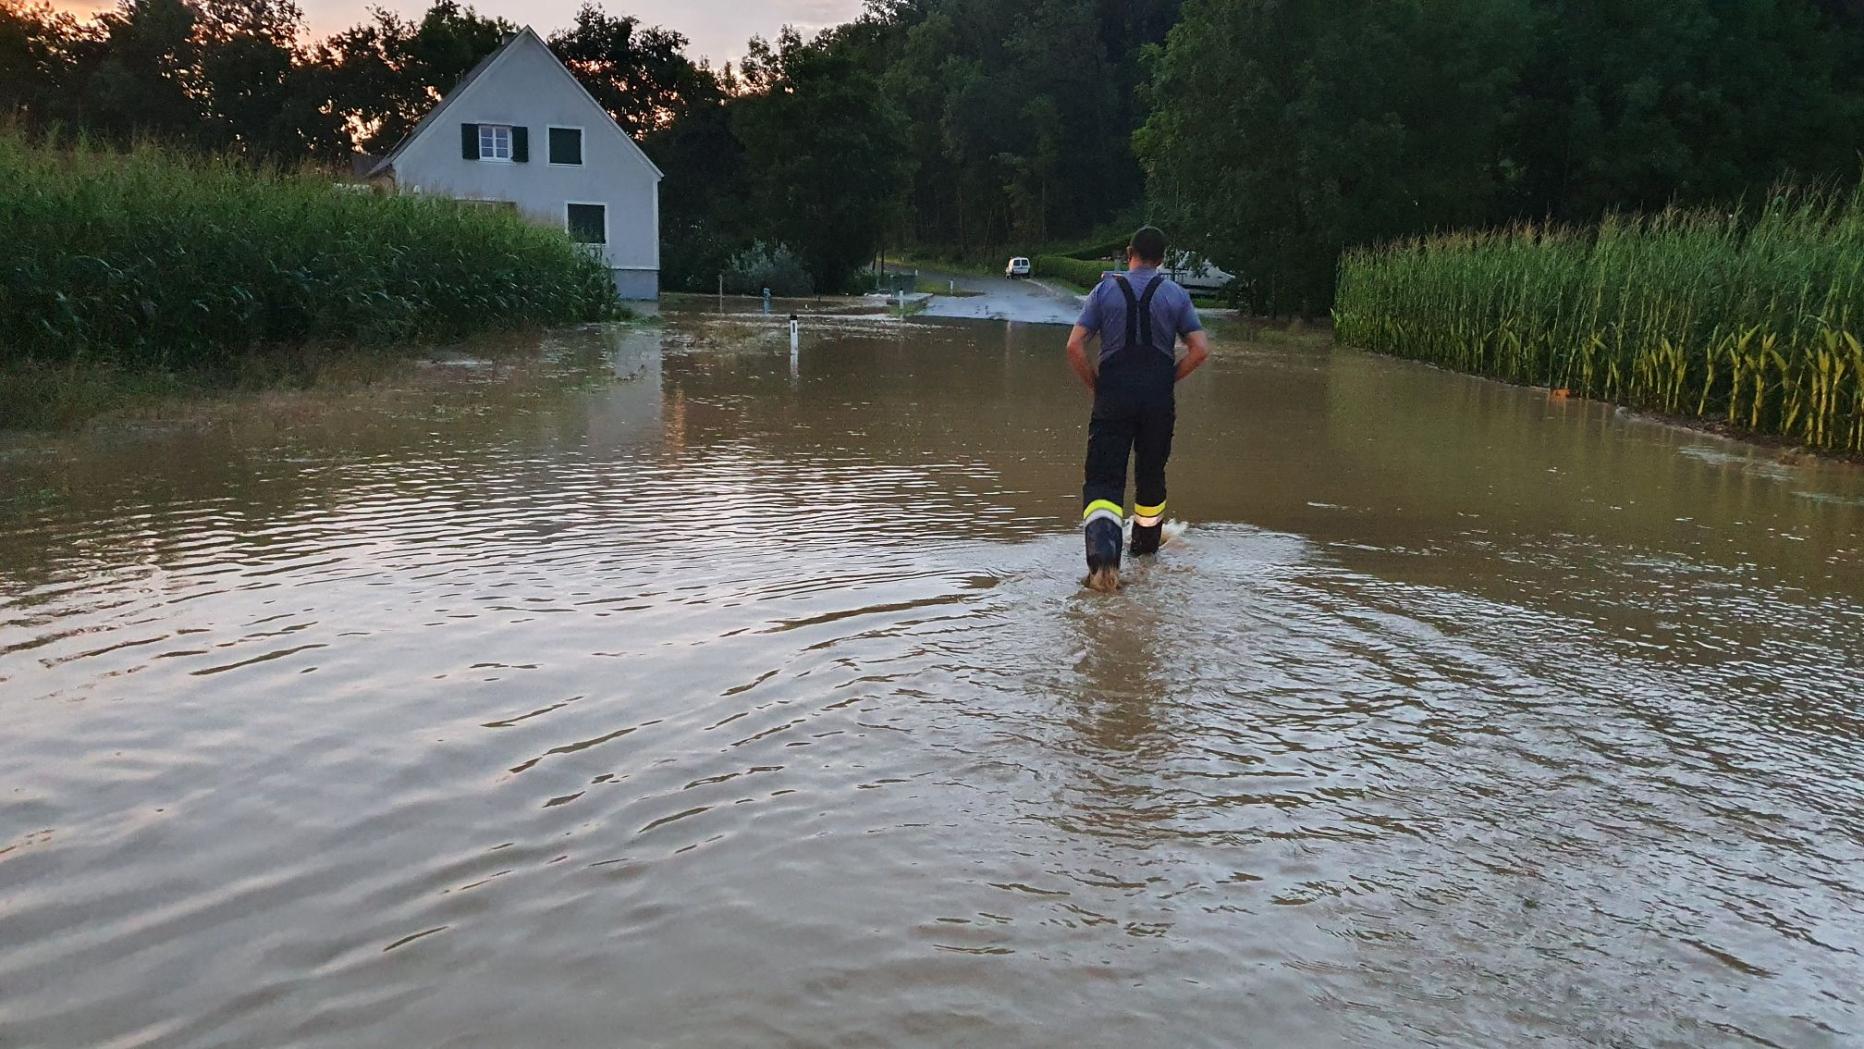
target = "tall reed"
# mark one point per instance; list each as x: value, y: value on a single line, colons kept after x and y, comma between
x: 153, y: 259
x: 1754, y: 318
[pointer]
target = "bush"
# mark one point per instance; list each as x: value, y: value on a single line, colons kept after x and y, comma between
x: 772, y: 266
x: 1753, y: 319
x: 1076, y: 271
x: 152, y: 259
x: 1108, y: 249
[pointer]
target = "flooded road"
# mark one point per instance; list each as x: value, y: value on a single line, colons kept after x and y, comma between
x: 746, y: 702
x: 1001, y: 299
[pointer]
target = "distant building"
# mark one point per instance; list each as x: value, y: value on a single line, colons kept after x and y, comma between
x: 521, y: 131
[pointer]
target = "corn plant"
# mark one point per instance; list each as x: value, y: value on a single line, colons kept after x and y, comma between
x: 150, y: 259
x: 1749, y: 317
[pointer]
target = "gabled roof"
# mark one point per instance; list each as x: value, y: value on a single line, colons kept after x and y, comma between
x: 433, y: 115
x: 387, y: 163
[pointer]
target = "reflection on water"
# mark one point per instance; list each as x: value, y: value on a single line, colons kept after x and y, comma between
x: 741, y: 701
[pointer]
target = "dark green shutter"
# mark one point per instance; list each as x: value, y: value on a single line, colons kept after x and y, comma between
x: 469, y: 141
x: 521, y: 145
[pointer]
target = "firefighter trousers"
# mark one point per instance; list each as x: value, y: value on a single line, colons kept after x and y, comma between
x: 1133, y: 421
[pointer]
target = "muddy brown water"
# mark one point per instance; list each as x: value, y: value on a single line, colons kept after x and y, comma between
x: 732, y: 702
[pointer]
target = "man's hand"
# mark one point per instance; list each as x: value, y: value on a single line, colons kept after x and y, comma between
x: 1077, y: 356
x: 1196, y: 352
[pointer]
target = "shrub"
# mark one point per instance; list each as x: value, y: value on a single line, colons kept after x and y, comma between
x: 1108, y: 249
x: 772, y: 266
x: 1085, y: 272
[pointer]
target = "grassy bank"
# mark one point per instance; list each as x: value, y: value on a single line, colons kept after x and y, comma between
x: 153, y: 268
x: 299, y: 385
x: 45, y: 395
x: 1750, y: 320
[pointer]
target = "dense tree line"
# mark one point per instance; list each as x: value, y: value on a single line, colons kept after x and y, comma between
x: 961, y: 123
x: 1281, y: 132
x: 1267, y: 133
x: 964, y: 126
x: 243, y: 76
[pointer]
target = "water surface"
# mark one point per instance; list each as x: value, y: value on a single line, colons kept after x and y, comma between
x: 742, y: 701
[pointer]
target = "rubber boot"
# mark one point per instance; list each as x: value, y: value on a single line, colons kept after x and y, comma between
x: 1147, y: 539
x: 1103, y: 554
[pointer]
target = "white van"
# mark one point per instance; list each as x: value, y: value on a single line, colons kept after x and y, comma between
x: 1018, y: 267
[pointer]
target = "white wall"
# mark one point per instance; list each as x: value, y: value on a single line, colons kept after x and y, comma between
x: 525, y: 87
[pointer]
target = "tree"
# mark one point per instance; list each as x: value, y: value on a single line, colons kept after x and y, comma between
x: 1636, y: 104
x: 825, y: 154
x: 35, y: 63
x: 1059, y: 63
x: 385, y: 74
x: 136, y: 72
x: 1347, y: 121
x: 702, y: 199
x: 1021, y: 115
x: 266, y: 98
x: 1341, y: 121
x: 641, y: 76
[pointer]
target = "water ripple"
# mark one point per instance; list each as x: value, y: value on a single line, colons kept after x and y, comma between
x: 556, y: 723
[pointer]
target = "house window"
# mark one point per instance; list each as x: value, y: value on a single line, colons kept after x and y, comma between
x: 494, y: 142
x: 566, y: 145
x: 587, y: 223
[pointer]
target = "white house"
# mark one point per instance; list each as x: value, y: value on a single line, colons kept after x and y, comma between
x: 520, y: 130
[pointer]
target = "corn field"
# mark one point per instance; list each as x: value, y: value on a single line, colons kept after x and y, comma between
x: 1753, y: 319
x: 152, y: 259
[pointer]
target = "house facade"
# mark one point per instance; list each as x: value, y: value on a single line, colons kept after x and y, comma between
x: 521, y: 131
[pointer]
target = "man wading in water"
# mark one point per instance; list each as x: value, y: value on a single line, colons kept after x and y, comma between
x: 1138, y: 316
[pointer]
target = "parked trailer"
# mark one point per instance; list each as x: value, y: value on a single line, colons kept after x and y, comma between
x: 1192, y: 274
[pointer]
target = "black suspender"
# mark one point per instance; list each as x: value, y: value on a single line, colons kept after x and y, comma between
x: 1139, y: 312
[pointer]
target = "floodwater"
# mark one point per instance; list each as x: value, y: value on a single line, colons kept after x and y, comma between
x: 736, y: 701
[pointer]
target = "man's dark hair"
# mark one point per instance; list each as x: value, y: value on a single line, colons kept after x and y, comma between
x: 1148, y: 244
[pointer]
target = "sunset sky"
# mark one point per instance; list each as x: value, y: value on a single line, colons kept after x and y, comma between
x: 718, y: 28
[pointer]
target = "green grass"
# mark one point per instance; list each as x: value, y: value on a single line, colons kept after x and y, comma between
x: 156, y: 264
x: 1227, y: 333
x: 962, y: 267
x: 936, y: 286
x: 41, y: 395
x: 1749, y: 319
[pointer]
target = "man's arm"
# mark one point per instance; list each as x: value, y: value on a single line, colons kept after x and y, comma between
x: 1196, y: 352
x: 1196, y: 343
x: 1077, y: 356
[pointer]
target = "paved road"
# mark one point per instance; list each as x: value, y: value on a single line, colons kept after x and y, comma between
x: 998, y: 298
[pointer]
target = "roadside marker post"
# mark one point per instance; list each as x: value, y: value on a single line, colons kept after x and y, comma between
x: 796, y: 342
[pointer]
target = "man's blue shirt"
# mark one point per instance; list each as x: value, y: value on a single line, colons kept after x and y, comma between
x: 1172, y: 313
